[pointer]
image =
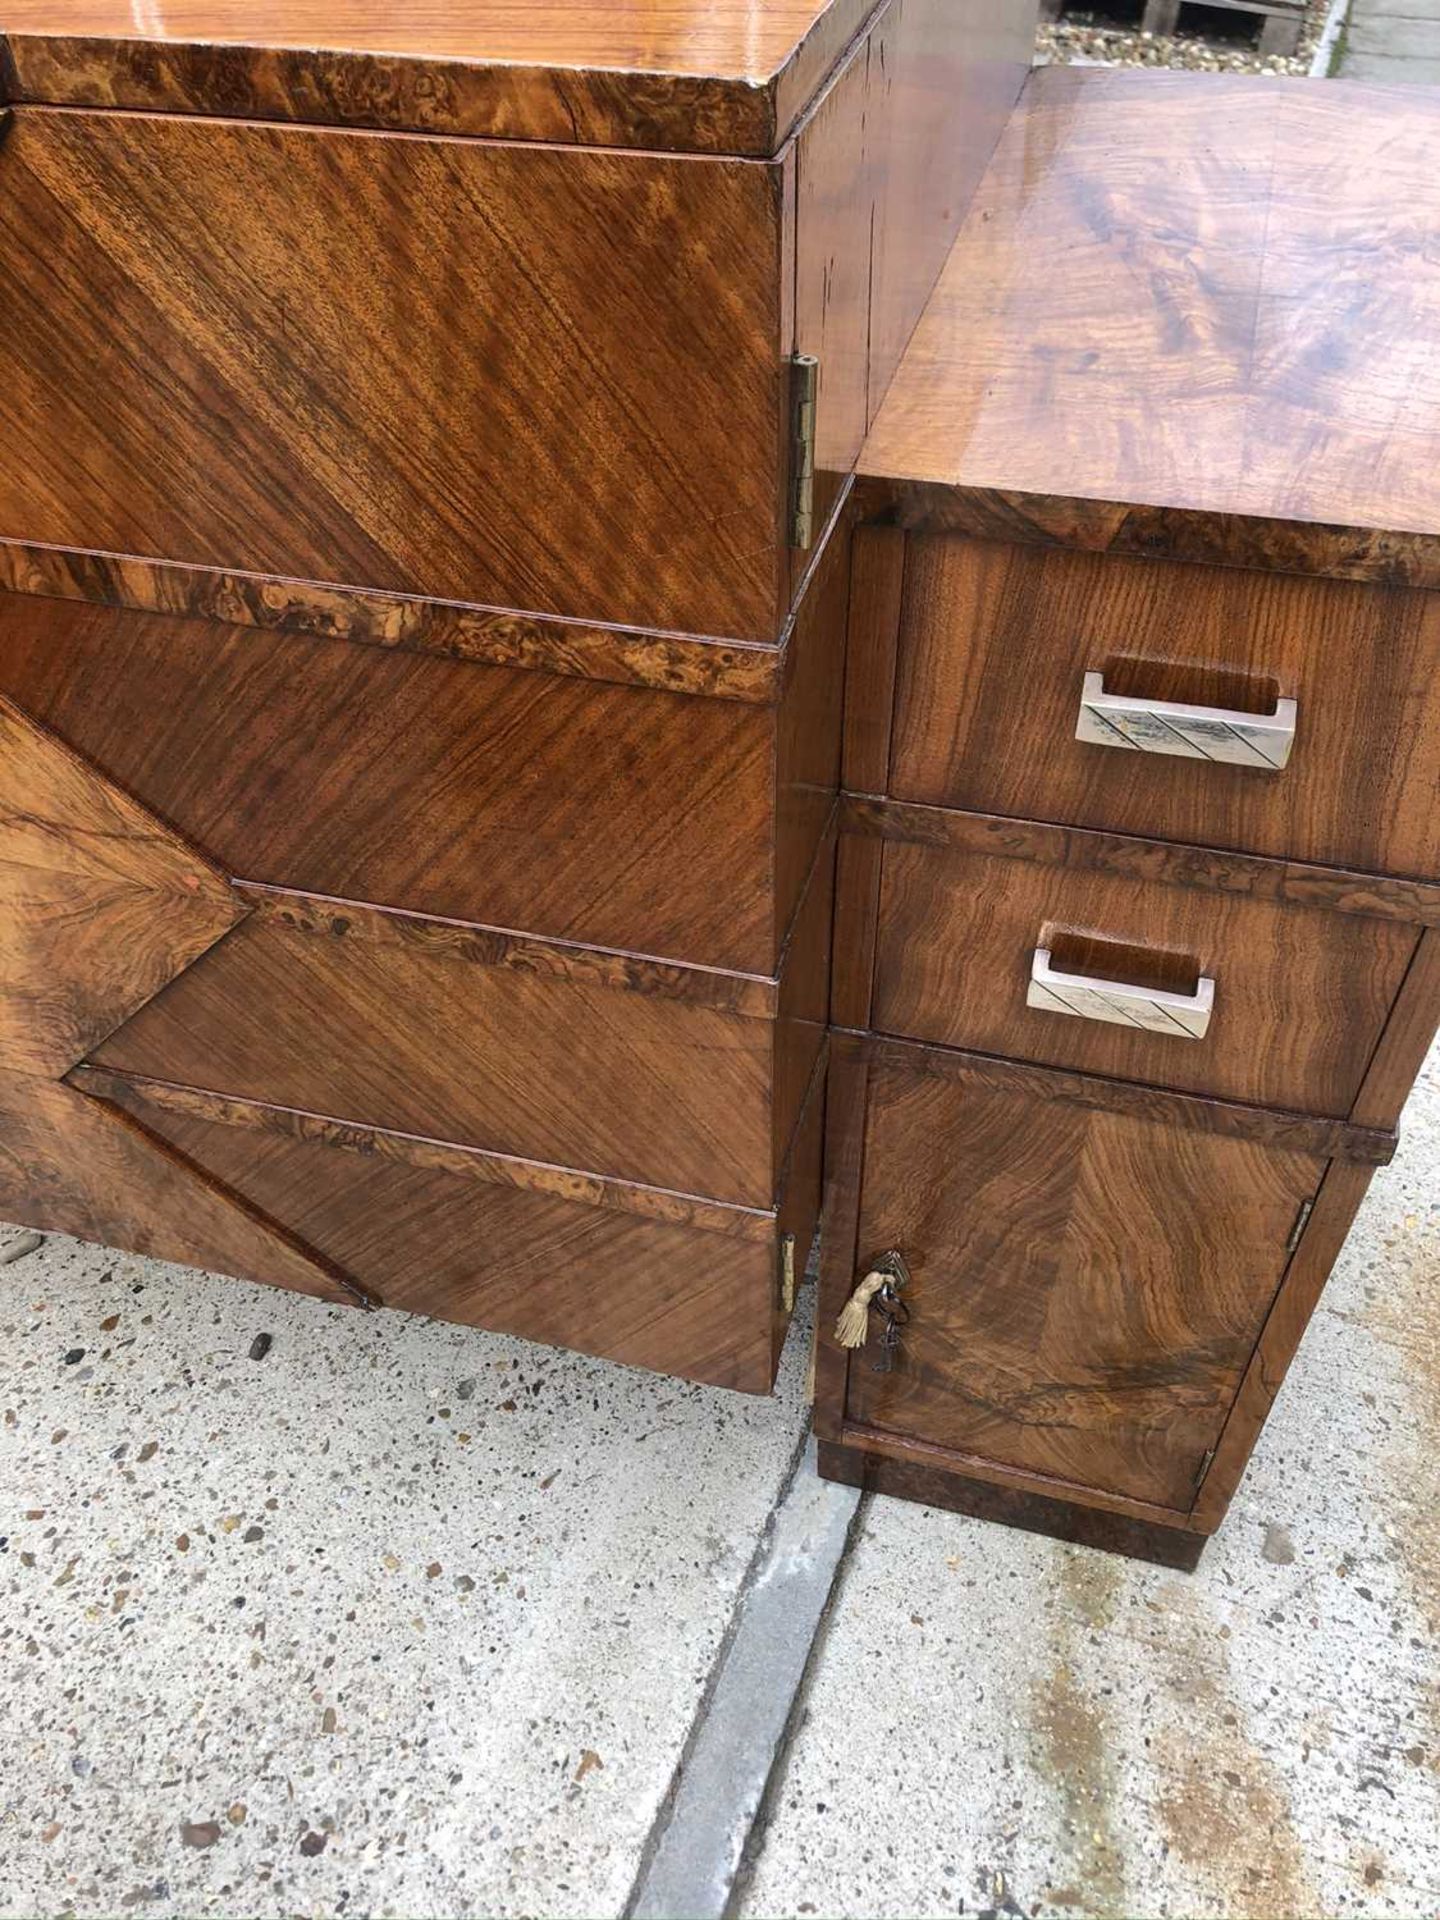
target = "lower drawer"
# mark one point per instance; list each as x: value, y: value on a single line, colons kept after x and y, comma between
x: 628, y: 1273
x: 648, y: 1071
x: 1086, y: 1287
x: 1137, y: 972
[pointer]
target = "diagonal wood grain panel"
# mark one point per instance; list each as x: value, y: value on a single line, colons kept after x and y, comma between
x: 73, y: 1164
x: 100, y: 904
x: 505, y: 373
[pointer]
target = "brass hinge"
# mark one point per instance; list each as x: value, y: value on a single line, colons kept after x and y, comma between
x: 804, y: 387
x: 1204, y: 1466
x: 787, y: 1273
x: 1302, y: 1220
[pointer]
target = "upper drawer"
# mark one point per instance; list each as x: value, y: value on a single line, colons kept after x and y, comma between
x: 531, y: 377
x: 996, y: 642
x: 1244, y: 998
x: 617, y: 816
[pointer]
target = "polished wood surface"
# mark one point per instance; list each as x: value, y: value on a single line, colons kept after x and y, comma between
x: 1296, y: 883
x: 417, y: 1041
x: 1097, y: 1093
x: 536, y: 382
x: 611, y: 815
x: 626, y: 656
x: 518, y: 375
x: 710, y: 75
x: 1409, y: 1034
x: 995, y: 641
x: 884, y: 170
x: 1301, y: 996
x: 148, y: 1100
x: 1121, y: 528
x: 1217, y: 298
x: 434, y: 1235
x: 540, y: 1056
x: 78, y: 1165
x: 1052, y: 1328
x: 101, y: 904
x: 1336, y: 1204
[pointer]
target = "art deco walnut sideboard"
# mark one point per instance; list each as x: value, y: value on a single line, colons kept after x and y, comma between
x: 495, y: 815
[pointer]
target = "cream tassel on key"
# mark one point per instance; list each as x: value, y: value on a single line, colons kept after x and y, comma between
x: 852, y: 1329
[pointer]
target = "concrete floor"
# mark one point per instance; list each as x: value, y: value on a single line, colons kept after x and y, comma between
x: 1393, y: 40
x: 404, y: 1619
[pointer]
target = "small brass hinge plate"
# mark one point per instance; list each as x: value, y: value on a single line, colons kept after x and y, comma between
x: 787, y: 1273
x: 1302, y: 1220
x: 804, y: 391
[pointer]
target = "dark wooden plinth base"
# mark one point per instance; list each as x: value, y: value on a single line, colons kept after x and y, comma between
x: 1085, y: 1526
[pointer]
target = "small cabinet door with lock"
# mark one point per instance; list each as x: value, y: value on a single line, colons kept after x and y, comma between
x: 1082, y: 1289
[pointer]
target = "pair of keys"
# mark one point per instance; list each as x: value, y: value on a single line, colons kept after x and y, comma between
x: 896, y: 1315
x: 879, y: 1292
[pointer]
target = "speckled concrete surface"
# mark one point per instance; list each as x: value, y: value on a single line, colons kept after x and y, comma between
x: 1000, y: 1723
x: 405, y: 1620
x: 396, y: 1619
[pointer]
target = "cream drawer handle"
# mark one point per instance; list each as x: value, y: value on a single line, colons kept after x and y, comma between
x: 1186, y: 1015
x: 1194, y: 733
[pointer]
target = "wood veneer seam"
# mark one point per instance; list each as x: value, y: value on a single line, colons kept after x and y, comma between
x: 1373, y: 896
x: 322, y: 1263
x: 750, y: 672
x: 1411, y: 975
x: 1291, y: 1132
x: 826, y: 844
x: 581, y: 1185
x: 747, y: 995
x: 604, y: 150
x: 1193, y: 536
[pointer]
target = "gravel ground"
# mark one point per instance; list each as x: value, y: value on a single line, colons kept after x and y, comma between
x: 1088, y: 37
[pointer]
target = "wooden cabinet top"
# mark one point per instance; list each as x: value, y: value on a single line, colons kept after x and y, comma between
x: 712, y: 76
x: 1190, y: 314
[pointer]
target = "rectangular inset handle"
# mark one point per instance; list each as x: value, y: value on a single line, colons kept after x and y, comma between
x: 1185, y: 1015
x: 1260, y: 740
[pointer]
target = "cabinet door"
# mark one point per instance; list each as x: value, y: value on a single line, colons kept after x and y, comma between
x: 1087, y: 1287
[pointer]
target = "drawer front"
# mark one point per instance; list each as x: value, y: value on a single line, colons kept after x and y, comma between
x: 518, y: 375
x: 1085, y: 1288
x: 647, y: 1280
x: 997, y: 643
x: 577, y: 1059
x: 1242, y: 998
x: 561, y: 806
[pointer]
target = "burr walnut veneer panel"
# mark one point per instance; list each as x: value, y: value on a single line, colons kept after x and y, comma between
x: 713, y: 75
x: 1087, y: 1287
x: 518, y: 375
x: 1190, y: 317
